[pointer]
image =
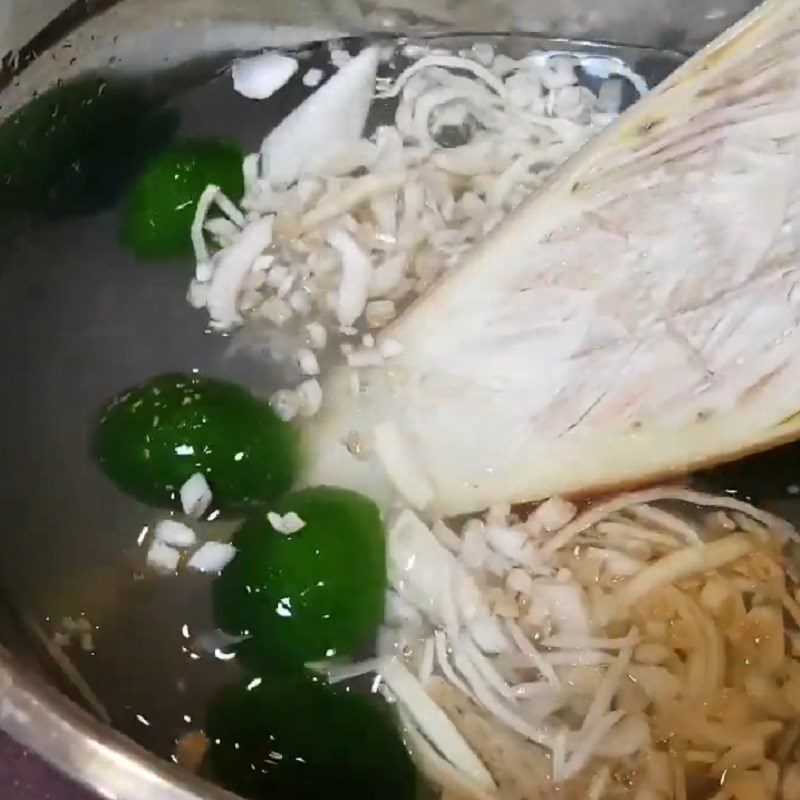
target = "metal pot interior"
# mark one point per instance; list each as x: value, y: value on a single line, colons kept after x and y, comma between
x: 83, y: 319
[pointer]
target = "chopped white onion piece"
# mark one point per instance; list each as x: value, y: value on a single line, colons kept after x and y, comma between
x: 201, y: 254
x: 313, y: 77
x: 390, y: 348
x: 162, y: 557
x: 259, y: 77
x: 331, y: 119
x: 212, y: 557
x: 196, y: 496
x: 286, y: 404
x: 316, y: 335
x: 288, y: 523
x: 234, y: 264
x: 310, y: 394
x: 197, y: 295
x: 554, y: 514
x: 174, y: 533
x: 307, y: 362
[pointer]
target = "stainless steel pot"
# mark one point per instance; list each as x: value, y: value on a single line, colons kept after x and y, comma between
x: 35, y: 32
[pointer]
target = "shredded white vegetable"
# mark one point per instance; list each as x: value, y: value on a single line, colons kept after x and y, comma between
x: 434, y: 723
x: 548, y: 669
x: 365, y: 221
x: 593, y: 636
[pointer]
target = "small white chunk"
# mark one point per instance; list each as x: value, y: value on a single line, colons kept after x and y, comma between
x: 356, y: 273
x: 162, y: 557
x: 364, y: 358
x: 300, y: 302
x: 286, y: 404
x: 197, y: 296
x: 554, y: 513
x: 310, y: 393
x: 196, y: 496
x: 203, y: 271
x: 339, y: 58
x: 261, y: 76
x: 520, y: 581
x: 483, y: 53
x: 212, y: 557
x: 316, y: 335
x: 307, y: 362
x: 277, y: 311
x: 313, y: 77
x: 277, y: 276
x: 379, y: 312
x: 288, y: 523
x: 263, y: 263
x: 390, y: 348
x: 174, y: 533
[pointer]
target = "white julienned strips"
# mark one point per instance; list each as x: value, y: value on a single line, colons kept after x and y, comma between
x: 434, y: 723
x: 351, y: 248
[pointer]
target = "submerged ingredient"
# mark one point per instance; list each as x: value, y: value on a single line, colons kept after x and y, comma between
x: 645, y: 648
x: 74, y: 149
x: 367, y: 220
x: 152, y: 438
x: 637, y: 318
x: 160, y: 208
x: 290, y: 739
x: 317, y: 592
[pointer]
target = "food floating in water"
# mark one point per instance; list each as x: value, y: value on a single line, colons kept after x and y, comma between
x: 151, y: 439
x: 326, y: 125
x: 637, y: 317
x: 259, y: 77
x: 601, y: 650
x: 161, y: 206
x: 308, y: 580
x: 639, y: 647
x: 75, y: 149
x: 290, y: 739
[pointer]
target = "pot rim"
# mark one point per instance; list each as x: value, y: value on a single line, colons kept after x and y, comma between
x: 88, y: 751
